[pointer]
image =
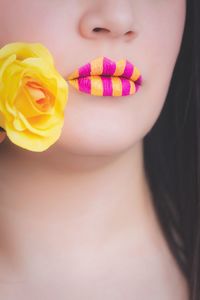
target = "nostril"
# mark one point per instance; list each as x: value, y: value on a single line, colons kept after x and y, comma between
x: 129, y: 33
x: 98, y: 29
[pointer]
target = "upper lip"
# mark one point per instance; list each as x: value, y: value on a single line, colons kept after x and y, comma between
x: 106, y: 67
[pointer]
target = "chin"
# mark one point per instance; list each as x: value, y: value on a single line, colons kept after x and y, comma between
x: 90, y: 140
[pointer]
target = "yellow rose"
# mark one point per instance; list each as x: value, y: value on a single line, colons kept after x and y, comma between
x: 33, y: 96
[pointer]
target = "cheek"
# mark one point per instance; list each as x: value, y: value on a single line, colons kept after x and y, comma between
x: 161, y: 40
x: 44, y: 21
x: 52, y: 23
x: 159, y: 47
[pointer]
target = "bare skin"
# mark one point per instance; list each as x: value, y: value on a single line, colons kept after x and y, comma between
x: 77, y: 221
x: 114, y: 250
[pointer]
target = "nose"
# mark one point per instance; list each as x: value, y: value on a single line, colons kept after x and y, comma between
x: 108, y: 19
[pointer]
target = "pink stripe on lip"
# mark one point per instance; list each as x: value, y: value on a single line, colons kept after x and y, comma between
x: 85, y: 70
x: 138, y: 82
x: 107, y: 86
x: 84, y: 84
x: 126, y: 86
x: 128, y: 70
x: 109, y: 67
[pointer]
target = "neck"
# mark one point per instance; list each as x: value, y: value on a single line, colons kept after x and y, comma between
x: 86, y: 197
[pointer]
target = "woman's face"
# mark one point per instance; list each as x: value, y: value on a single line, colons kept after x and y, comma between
x: 146, y: 32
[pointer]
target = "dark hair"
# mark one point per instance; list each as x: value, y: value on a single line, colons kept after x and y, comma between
x: 172, y: 156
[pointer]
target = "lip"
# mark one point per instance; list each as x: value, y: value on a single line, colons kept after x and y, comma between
x: 105, y: 77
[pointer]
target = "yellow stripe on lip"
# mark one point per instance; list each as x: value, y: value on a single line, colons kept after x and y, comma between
x: 97, y: 67
x: 120, y: 66
x: 74, y: 83
x: 73, y: 75
x: 117, y: 84
x: 136, y: 74
x: 96, y: 85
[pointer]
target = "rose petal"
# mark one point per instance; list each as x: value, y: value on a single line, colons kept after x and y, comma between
x: 24, y: 50
x: 6, y: 63
x: 2, y: 120
x: 17, y: 123
x: 31, y: 141
x: 33, y: 115
x: 45, y: 133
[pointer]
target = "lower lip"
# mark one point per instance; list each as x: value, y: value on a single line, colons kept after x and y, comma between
x: 106, y: 85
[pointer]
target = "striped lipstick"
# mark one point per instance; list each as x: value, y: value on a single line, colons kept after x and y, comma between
x: 104, y: 77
